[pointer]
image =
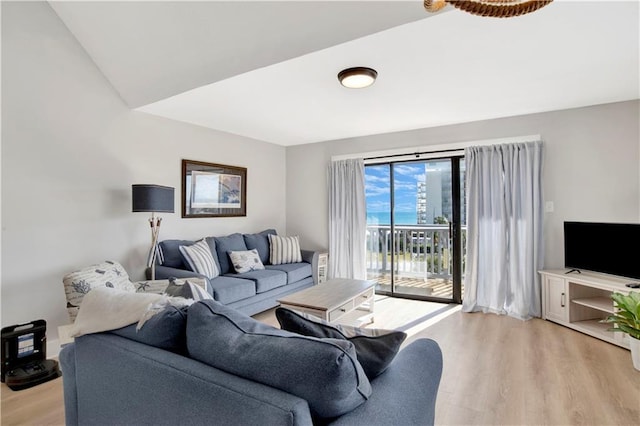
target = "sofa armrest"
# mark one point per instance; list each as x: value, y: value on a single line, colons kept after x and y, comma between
x: 144, y: 385
x: 405, y: 394
x: 311, y: 256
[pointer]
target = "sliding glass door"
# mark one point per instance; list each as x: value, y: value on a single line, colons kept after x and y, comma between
x: 416, y: 228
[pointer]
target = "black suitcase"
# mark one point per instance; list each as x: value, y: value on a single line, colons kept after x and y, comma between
x: 24, y: 353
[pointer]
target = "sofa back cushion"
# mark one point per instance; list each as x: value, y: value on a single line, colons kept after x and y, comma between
x: 165, y: 330
x: 233, y: 242
x: 260, y: 242
x: 171, y: 253
x: 324, y: 372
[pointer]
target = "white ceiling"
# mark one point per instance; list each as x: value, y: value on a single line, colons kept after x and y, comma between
x: 267, y: 70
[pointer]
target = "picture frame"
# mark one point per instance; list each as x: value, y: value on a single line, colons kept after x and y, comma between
x: 213, y: 190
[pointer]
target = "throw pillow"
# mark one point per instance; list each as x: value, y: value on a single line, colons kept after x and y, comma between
x: 324, y: 372
x: 199, y: 258
x: 106, y: 274
x: 186, y: 289
x: 375, y: 348
x: 245, y: 261
x: 284, y: 250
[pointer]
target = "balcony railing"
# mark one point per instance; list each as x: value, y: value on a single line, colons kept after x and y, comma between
x: 421, y: 251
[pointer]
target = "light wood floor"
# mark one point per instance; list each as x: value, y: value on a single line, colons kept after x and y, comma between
x: 497, y: 370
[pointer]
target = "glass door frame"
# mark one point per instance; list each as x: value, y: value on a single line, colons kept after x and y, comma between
x: 455, y: 230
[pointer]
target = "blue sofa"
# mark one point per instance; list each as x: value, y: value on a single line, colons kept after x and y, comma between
x: 162, y: 375
x: 249, y: 292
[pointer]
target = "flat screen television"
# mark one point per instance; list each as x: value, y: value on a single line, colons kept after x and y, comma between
x: 610, y: 248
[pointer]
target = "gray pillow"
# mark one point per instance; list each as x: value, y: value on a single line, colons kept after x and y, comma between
x: 375, y: 347
x: 165, y: 330
x: 186, y: 289
x: 324, y: 372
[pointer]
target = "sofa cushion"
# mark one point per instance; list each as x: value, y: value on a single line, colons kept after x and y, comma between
x: 284, y: 250
x: 230, y: 289
x: 245, y: 261
x: 324, y: 372
x: 106, y: 274
x: 375, y: 348
x: 260, y: 242
x: 171, y: 253
x: 199, y: 258
x: 266, y: 280
x: 295, y: 271
x: 165, y: 330
x: 233, y: 242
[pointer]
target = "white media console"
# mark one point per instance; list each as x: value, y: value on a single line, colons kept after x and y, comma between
x: 581, y: 300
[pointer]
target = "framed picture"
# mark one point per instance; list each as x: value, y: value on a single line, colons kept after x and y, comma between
x: 213, y: 190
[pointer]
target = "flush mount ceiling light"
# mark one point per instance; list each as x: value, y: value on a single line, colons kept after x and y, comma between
x: 357, y: 77
x: 491, y: 8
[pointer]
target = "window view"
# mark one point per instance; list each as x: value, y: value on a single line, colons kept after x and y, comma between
x: 411, y: 221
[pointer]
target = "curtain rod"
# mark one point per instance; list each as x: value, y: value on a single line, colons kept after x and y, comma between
x: 417, y: 154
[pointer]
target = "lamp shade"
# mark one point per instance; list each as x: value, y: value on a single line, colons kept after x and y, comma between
x: 152, y: 198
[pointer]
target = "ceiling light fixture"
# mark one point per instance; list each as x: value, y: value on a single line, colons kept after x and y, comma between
x: 491, y: 8
x: 357, y: 77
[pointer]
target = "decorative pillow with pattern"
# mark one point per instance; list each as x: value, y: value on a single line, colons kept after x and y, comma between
x: 245, y: 261
x: 199, y: 258
x: 284, y: 250
x: 106, y: 274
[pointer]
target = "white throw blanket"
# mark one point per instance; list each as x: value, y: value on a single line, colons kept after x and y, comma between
x: 104, y: 309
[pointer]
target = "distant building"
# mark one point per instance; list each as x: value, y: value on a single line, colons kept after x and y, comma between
x: 434, y: 197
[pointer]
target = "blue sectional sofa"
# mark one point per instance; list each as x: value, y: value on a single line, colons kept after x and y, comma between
x: 249, y: 292
x: 209, y: 365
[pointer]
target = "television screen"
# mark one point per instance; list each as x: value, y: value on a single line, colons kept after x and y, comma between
x: 611, y: 248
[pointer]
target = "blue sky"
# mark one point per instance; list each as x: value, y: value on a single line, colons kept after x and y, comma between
x: 406, y: 176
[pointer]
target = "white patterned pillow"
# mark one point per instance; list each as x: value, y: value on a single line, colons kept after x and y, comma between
x: 199, y: 258
x: 284, y: 250
x: 106, y: 274
x: 245, y: 261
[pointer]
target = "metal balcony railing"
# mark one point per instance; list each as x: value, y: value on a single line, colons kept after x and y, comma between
x: 421, y: 251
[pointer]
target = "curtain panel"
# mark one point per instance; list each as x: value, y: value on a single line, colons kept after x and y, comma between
x: 347, y: 219
x: 504, y: 229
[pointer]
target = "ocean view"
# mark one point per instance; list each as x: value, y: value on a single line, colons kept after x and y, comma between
x: 384, y: 218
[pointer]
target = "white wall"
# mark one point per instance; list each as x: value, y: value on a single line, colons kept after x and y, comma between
x: 70, y: 152
x: 591, y: 170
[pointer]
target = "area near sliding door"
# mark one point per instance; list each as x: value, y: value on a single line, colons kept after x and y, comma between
x: 416, y: 228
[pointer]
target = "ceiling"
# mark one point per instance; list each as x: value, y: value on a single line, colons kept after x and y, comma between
x: 267, y: 70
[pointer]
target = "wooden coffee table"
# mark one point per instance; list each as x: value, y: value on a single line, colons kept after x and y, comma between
x: 333, y: 299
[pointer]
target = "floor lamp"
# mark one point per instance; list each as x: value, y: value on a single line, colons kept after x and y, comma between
x: 154, y: 199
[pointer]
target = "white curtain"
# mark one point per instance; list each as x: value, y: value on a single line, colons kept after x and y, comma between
x: 347, y: 219
x: 504, y: 223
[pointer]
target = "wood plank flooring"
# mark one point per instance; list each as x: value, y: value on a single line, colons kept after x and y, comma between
x: 497, y: 370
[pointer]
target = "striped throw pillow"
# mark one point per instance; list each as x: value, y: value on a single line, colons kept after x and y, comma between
x: 284, y: 250
x: 199, y: 258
